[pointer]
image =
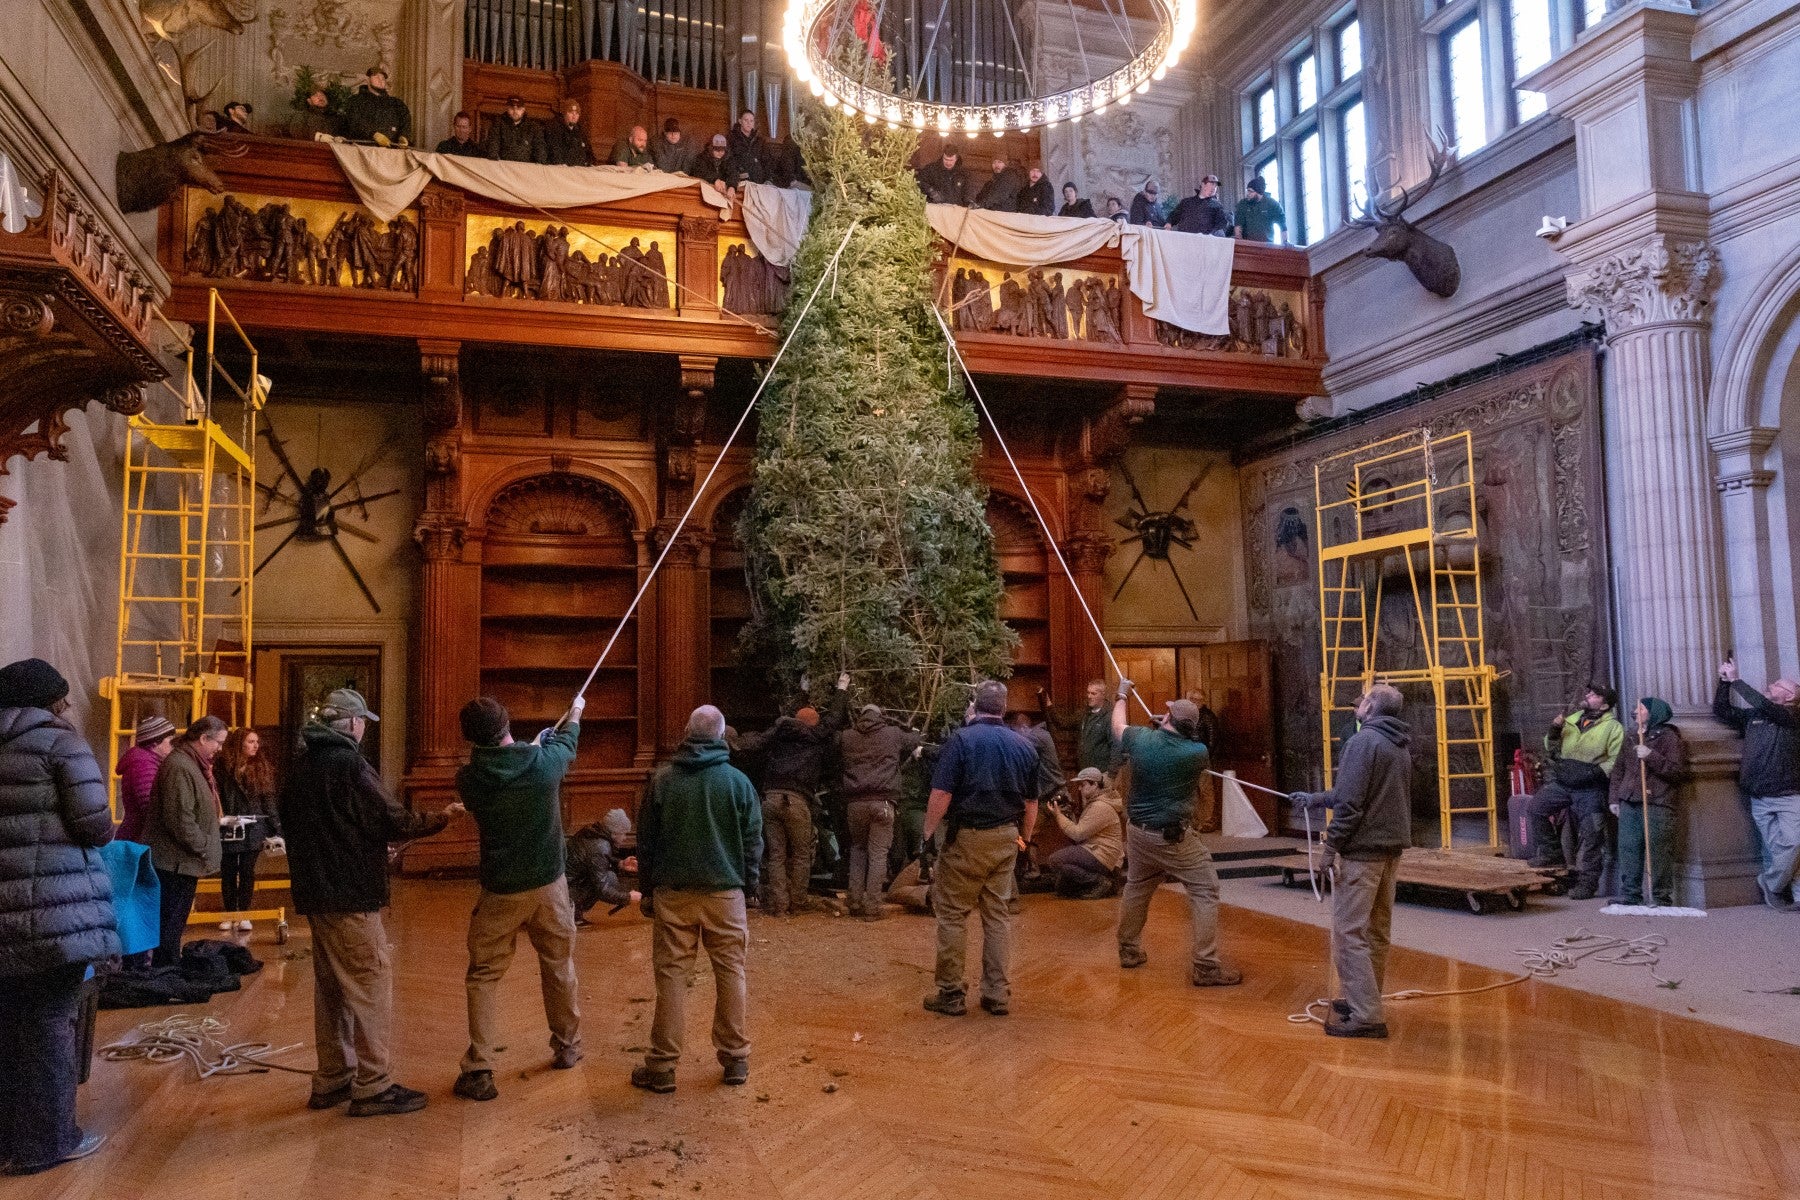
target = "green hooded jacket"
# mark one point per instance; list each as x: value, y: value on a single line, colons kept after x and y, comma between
x: 1597, y: 741
x: 700, y: 826
x: 514, y: 794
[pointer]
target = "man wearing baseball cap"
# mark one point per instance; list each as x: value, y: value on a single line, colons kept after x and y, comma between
x: 1086, y: 868
x: 338, y: 819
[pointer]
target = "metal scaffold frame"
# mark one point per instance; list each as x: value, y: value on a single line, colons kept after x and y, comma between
x: 186, y: 553
x: 1398, y: 537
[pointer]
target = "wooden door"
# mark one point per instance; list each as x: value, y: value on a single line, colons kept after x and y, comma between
x: 1153, y: 670
x: 1234, y: 679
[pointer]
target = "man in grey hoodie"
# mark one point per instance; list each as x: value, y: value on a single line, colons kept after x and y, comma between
x: 1371, y: 823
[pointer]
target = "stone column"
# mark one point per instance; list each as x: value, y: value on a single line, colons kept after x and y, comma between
x: 448, y: 674
x: 1743, y: 484
x: 1653, y: 297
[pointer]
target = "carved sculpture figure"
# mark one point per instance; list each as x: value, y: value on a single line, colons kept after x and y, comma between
x: 1011, y: 317
x: 1058, y: 314
x: 655, y: 289
x: 403, y: 255
x: 1103, y: 326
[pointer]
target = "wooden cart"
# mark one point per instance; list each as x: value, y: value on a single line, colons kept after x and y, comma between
x: 1485, y: 882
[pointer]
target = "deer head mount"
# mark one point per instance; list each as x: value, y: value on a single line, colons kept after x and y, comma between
x: 1433, y: 263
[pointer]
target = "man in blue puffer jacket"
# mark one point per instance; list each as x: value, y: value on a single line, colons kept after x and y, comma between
x: 56, y: 913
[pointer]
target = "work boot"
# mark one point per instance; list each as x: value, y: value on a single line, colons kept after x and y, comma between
x: 1217, y: 976
x: 1585, y: 889
x: 660, y: 1080
x: 1341, y: 1008
x: 476, y: 1085
x: 331, y: 1099
x: 565, y: 1058
x: 391, y: 1103
x: 1349, y: 1027
x: 1132, y: 956
x: 994, y: 1008
x: 737, y: 1072
x: 946, y: 1004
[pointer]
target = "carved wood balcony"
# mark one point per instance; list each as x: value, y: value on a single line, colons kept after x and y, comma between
x: 293, y: 249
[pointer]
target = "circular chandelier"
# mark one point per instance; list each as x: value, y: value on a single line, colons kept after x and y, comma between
x: 805, y: 37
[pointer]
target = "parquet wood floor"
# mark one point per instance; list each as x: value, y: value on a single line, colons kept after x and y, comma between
x: 1101, y: 1084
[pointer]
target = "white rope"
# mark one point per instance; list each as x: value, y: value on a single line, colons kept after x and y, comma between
x: 1049, y: 538
x: 197, y: 1040
x: 669, y: 542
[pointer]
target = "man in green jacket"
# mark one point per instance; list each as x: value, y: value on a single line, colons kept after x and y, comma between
x: 512, y: 791
x: 1093, y: 727
x: 699, y: 853
x: 1582, y: 748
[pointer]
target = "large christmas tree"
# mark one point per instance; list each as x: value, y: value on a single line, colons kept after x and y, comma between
x: 869, y: 549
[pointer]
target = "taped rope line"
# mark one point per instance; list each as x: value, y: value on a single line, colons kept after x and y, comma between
x: 830, y: 272
x: 197, y: 1040
x: 1562, y: 955
x: 1049, y: 538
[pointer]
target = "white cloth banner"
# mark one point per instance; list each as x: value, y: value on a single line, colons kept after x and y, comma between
x: 1182, y: 278
x: 777, y: 220
x: 1020, y: 239
x: 389, y: 180
x: 1239, y: 819
x: 17, y: 208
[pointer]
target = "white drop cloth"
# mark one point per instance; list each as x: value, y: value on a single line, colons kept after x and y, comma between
x: 777, y: 219
x: 1182, y: 278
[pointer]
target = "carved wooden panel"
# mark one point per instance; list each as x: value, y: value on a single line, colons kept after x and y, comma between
x: 1544, y: 568
x: 560, y: 505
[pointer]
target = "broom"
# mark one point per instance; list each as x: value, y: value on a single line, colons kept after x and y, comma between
x: 1652, y: 908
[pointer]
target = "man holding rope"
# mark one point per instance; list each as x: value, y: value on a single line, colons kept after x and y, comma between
x: 1161, y: 842
x: 1371, y: 823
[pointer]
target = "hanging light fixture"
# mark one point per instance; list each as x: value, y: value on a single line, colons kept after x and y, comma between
x: 809, y: 28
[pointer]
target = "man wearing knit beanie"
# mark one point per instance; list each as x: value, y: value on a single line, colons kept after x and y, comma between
x: 31, y: 683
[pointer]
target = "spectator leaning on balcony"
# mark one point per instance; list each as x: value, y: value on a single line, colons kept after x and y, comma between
x: 633, y: 150
x: 673, y: 152
x: 1037, y: 196
x: 712, y: 165
x: 515, y: 137
x: 375, y: 115
x: 1258, y: 213
x: 565, y: 141
x: 1073, y: 205
x: 462, y: 138
x: 315, y: 117
x: 748, y: 153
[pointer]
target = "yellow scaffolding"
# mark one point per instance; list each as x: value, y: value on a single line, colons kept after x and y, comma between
x: 186, y: 560
x: 1400, y: 558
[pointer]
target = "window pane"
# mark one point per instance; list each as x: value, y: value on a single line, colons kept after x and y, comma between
x: 1270, y: 170
x: 1349, y: 49
x: 1592, y: 13
x: 1531, y: 104
x: 1356, y: 157
x: 1306, y: 83
x: 1312, y: 190
x: 1265, y: 115
x: 1530, y: 36
x: 1467, y: 83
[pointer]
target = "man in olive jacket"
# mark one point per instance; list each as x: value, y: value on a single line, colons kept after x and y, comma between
x: 1371, y: 823
x: 513, y: 792
x: 699, y: 851
x: 183, y: 828
x: 338, y: 819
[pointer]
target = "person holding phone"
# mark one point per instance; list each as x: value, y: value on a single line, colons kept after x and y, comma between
x: 1769, y: 723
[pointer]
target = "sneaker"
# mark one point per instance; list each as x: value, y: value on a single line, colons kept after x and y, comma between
x: 660, y: 1080
x: 737, y: 1072
x: 331, y: 1099
x: 946, y: 1004
x: 391, y: 1103
x: 476, y: 1085
x: 87, y: 1145
x: 565, y: 1058
x: 244, y: 926
x: 1217, y: 977
x: 994, y: 1008
x: 1356, y: 1029
x: 1132, y: 956
x: 226, y: 926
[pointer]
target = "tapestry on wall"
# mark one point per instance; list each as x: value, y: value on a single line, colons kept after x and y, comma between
x: 1536, y: 434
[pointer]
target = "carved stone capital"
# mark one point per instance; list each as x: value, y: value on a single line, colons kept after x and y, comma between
x: 1087, y: 552
x: 439, y: 538
x: 1664, y: 279
x: 698, y: 372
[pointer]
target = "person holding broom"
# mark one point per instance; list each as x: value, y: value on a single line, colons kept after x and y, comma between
x: 1641, y: 792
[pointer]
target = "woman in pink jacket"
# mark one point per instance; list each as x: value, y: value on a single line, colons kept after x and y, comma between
x: 137, y: 774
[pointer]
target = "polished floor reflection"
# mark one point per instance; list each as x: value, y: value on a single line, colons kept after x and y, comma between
x: 1101, y: 1083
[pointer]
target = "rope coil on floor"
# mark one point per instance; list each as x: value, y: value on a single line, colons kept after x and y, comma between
x: 198, y: 1040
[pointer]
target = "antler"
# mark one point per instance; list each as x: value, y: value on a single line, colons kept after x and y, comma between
x: 1375, y: 212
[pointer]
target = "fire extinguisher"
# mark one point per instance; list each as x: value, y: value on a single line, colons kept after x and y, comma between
x: 1524, y: 783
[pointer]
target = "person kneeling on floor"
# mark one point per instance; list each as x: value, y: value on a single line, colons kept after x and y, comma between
x: 700, y: 844
x: 595, y: 863
x: 513, y: 791
x: 1371, y: 823
x: 1087, y: 868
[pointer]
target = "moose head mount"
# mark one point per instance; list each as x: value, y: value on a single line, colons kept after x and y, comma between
x: 1433, y: 263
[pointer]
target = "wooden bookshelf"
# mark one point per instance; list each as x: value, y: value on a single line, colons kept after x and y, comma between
x: 740, y: 689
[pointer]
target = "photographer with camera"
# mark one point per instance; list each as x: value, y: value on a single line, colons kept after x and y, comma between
x: 1086, y: 869
x: 1160, y: 840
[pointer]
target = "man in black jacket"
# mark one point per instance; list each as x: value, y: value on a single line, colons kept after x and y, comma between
x: 1037, y: 196
x: 1001, y: 191
x: 565, y: 141
x: 375, y: 115
x: 747, y: 156
x: 462, y: 138
x: 872, y: 752
x: 1202, y: 212
x: 1074, y: 205
x: 793, y: 759
x: 338, y: 820
x: 945, y: 181
x: 1769, y: 775
x: 1371, y: 823
x: 713, y: 165
x: 1146, y: 207
x: 514, y: 137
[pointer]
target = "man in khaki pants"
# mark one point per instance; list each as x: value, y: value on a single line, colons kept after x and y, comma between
x: 985, y: 791
x: 699, y: 852
x: 512, y: 791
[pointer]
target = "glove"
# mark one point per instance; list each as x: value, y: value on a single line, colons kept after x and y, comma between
x: 275, y: 845
x: 575, y: 707
x: 1328, y: 860
x: 1615, y: 809
x: 1643, y: 751
x: 1124, y: 688
x: 843, y: 681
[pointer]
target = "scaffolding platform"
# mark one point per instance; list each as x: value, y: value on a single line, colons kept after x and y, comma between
x: 1400, y: 602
